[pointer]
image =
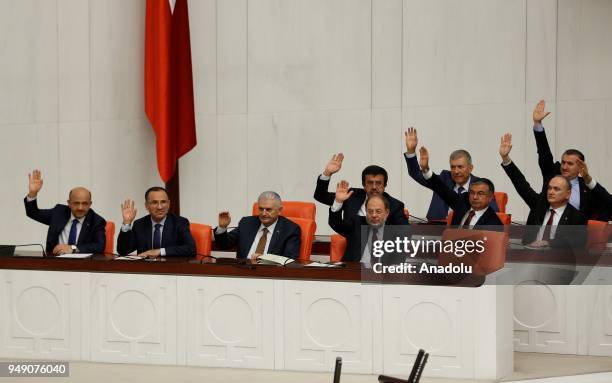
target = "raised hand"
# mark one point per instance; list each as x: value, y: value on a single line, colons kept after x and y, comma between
x: 538, y: 113
x: 424, y: 159
x: 411, y: 140
x: 224, y: 219
x: 342, y: 191
x: 505, y: 146
x: 35, y: 183
x: 128, y: 212
x: 584, y: 171
x: 334, y: 165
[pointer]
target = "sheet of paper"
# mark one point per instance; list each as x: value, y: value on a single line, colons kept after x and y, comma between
x: 74, y: 256
x: 128, y: 258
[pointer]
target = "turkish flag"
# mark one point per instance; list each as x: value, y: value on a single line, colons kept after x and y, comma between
x: 169, y: 82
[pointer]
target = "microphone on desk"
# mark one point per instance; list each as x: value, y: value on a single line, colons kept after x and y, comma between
x: 416, y: 365
x: 9, y: 250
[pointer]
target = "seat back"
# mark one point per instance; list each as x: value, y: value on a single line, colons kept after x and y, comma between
x: 308, y: 227
x: 110, y: 237
x: 501, y: 199
x: 337, y: 248
x: 491, y: 259
x: 202, y: 235
x: 597, y: 234
x: 298, y: 209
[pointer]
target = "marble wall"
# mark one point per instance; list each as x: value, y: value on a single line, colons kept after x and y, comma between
x: 281, y: 85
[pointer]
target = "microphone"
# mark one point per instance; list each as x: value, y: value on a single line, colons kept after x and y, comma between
x: 415, y: 366
x: 421, y: 368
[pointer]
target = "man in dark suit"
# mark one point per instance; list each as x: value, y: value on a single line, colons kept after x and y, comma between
x: 75, y: 228
x: 592, y: 203
x: 158, y: 234
x: 552, y: 220
x: 459, y: 178
x: 374, y: 180
x: 472, y: 209
x: 361, y: 232
x: 267, y: 233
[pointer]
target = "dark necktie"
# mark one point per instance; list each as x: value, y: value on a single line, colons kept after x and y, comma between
x: 261, y: 245
x: 157, y: 236
x: 373, y: 259
x: 460, y: 190
x: 72, y: 237
x: 546, y: 236
x: 466, y: 223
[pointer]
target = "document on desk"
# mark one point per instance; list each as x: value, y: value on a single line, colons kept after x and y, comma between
x: 272, y: 259
x: 129, y: 258
x: 320, y: 264
x: 74, y: 256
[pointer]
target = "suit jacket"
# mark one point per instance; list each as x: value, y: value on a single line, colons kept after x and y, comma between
x: 92, y: 237
x: 438, y: 208
x: 285, y: 240
x: 351, y: 206
x: 461, y: 205
x: 566, y: 235
x: 593, y: 203
x: 356, y: 237
x: 176, y: 237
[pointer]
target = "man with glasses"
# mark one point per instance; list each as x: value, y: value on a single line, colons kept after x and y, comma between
x: 158, y: 234
x: 471, y: 210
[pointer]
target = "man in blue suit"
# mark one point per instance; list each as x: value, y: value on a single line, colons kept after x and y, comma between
x: 266, y: 233
x: 158, y: 234
x: 75, y: 228
x: 458, y: 178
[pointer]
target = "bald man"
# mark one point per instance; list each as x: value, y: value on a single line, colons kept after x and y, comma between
x: 75, y: 228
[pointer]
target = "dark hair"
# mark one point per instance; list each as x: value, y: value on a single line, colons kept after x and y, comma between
x: 574, y: 152
x: 385, y: 201
x: 568, y: 183
x: 155, y: 189
x: 373, y: 170
x: 485, y: 181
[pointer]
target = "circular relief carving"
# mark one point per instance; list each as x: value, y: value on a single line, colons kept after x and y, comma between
x: 230, y: 318
x: 534, y: 304
x: 327, y: 322
x: 37, y: 310
x: 133, y: 314
x: 427, y: 315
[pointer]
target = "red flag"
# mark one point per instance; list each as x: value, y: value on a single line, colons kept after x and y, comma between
x: 169, y: 82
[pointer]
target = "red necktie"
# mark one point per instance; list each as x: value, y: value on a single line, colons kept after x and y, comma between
x: 546, y: 236
x: 466, y: 223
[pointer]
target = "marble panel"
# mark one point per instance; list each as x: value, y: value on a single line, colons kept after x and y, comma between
x: 541, y: 62
x: 386, y: 53
x: 231, y: 52
x: 232, y: 166
x: 203, y: 29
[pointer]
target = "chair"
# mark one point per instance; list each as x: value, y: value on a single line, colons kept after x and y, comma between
x: 308, y: 227
x: 296, y: 209
x: 337, y: 248
x: 597, y: 234
x: 505, y: 218
x: 110, y: 237
x: 491, y: 259
x: 501, y: 199
x: 202, y: 235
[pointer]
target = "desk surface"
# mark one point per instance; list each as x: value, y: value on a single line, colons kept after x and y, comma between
x: 229, y: 267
